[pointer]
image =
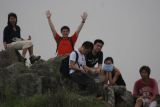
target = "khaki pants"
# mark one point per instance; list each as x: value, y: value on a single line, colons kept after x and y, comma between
x: 19, y: 45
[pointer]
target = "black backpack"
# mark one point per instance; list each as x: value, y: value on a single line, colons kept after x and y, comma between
x: 64, y: 67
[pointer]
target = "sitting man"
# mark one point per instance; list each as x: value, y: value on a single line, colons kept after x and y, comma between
x: 77, y: 72
x: 114, y: 83
x: 145, y: 89
x: 12, y: 39
x: 94, y: 57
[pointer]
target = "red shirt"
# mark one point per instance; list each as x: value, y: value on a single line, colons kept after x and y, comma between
x: 145, y: 89
x: 65, y: 46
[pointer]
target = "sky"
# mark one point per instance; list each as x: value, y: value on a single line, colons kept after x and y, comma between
x: 130, y: 29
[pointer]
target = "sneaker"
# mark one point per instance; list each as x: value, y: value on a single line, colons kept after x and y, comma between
x: 34, y: 58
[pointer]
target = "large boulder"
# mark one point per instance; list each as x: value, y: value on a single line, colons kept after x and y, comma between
x: 44, y: 79
x: 8, y: 57
x: 28, y: 84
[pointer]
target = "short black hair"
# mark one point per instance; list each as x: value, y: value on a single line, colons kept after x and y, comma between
x: 109, y: 59
x: 65, y: 27
x: 146, y: 68
x: 87, y: 45
x: 12, y: 15
x: 98, y: 41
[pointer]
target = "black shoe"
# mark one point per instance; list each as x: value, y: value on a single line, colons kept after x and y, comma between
x: 23, y: 59
x: 34, y: 58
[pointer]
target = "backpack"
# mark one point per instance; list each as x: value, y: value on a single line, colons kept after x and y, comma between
x: 70, y: 40
x: 64, y: 67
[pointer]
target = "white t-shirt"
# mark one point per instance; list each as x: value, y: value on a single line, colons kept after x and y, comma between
x: 81, y: 59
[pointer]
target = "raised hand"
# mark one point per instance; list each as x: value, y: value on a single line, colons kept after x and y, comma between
x: 48, y: 14
x: 84, y: 16
x: 29, y: 37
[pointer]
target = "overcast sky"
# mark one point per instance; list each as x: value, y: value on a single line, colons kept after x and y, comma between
x: 129, y: 28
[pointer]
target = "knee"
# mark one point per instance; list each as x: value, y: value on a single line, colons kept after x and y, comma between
x: 30, y: 42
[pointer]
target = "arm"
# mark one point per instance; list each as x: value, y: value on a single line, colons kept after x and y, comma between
x: 74, y: 66
x: 48, y: 14
x: 153, y: 98
x: 84, y: 17
x: 115, y: 78
x: 72, y: 62
x: 94, y: 69
x: 155, y: 91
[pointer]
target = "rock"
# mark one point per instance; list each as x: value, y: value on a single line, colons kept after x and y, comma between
x: 43, y: 78
x: 8, y: 57
x: 28, y: 84
x: 126, y: 101
x: 10, y: 75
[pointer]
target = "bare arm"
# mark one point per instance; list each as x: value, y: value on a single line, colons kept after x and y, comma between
x: 48, y: 14
x: 95, y: 69
x: 115, y: 78
x: 74, y: 66
x: 84, y: 17
x: 153, y: 98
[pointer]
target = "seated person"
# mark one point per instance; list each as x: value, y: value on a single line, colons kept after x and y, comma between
x: 77, y: 72
x: 114, y: 83
x: 12, y: 39
x: 145, y: 89
x: 95, y: 57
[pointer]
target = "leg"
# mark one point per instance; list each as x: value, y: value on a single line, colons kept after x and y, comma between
x: 153, y: 104
x: 30, y: 50
x: 24, y: 51
x: 28, y: 44
x: 106, y: 77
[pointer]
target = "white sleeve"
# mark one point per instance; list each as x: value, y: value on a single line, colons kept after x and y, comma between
x: 72, y: 56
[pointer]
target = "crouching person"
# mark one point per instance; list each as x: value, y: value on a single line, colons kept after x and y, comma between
x: 12, y: 39
x: 114, y: 84
x: 145, y: 89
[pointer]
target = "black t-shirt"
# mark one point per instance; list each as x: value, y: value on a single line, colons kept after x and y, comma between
x: 9, y: 34
x: 120, y: 80
x: 92, y: 60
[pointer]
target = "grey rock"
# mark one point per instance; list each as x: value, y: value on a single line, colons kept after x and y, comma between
x: 28, y: 84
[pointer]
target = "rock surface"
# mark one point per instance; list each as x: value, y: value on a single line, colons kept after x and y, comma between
x: 43, y: 78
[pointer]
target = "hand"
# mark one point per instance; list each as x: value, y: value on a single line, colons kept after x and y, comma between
x: 82, y: 70
x: 29, y: 37
x: 5, y: 46
x: 98, y: 70
x: 84, y: 16
x: 48, y: 14
x: 86, y: 68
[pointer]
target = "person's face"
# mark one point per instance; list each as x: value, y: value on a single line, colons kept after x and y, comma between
x: 86, y: 51
x: 108, y: 62
x: 144, y: 74
x: 12, y: 20
x: 65, y: 32
x: 97, y: 47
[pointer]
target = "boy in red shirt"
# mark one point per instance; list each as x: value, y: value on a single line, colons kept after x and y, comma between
x: 145, y: 89
x: 65, y: 44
